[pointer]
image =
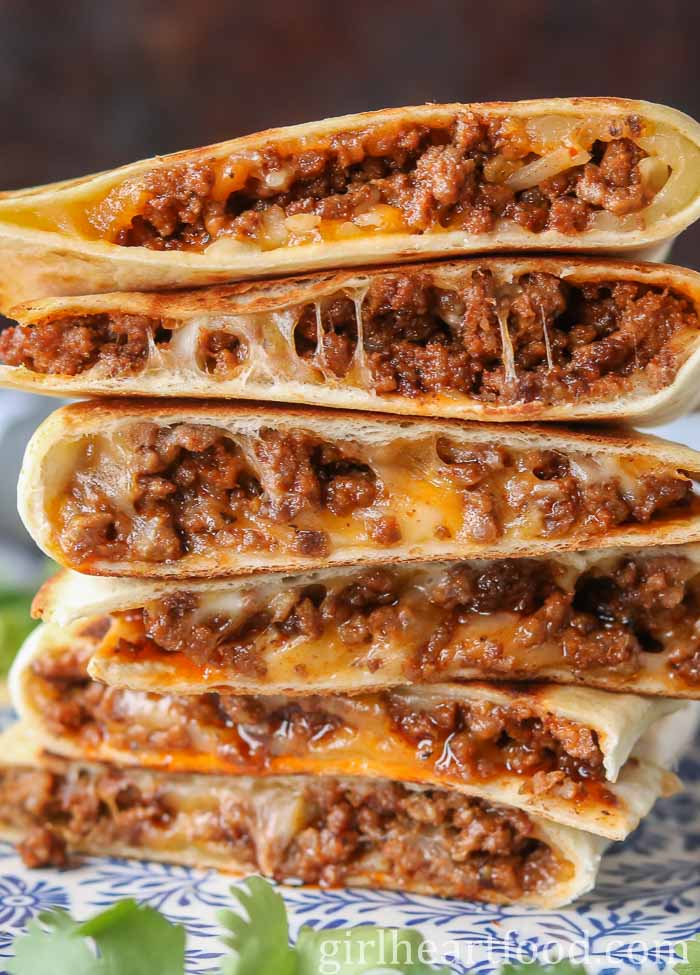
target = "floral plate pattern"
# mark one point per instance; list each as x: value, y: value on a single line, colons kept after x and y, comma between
x: 647, y: 900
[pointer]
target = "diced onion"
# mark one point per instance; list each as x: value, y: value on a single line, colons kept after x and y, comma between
x: 654, y: 173
x: 226, y: 247
x: 273, y: 227
x: 347, y: 229
x: 683, y: 183
x: 604, y: 220
x: 546, y: 131
x: 279, y: 179
x: 370, y: 219
x: 498, y: 169
x: 302, y: 223
x: 382, y: 216
x: 550, y: 165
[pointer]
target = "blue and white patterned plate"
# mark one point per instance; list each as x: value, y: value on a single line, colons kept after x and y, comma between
x: 647, y: 899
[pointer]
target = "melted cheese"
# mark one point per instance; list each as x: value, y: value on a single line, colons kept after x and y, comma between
x: 561, y: 140
x: 481, y: 645
x: 244, y: 825
x: 359, y: 737
x: 425, y: 496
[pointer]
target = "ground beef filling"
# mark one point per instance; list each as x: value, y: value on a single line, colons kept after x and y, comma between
x: 463, y: 847
x: 605, y: 623
x: 410, y: 178
x: 477, y: 740
x: 111, y: 808
x: 484, y: 739
x: 68, y: 346
x: 422, y: 339
x: 193, y: 489
x: 566, y: 341
x: 601, y: 625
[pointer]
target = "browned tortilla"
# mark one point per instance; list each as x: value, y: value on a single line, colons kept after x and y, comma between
x: 591, y: 174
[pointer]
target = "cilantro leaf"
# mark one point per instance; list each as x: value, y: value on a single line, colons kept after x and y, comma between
x: 689, y: 951
x: 260, y: 941
x: 136, y: 939
x: 51, y: 944
x: 15, y: 625
x: 125, y: 938
x: 353, y: 951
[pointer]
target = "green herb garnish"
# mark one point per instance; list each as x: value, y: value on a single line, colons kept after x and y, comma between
x: 131, y: 939
x: 689, y: 951
x: 125, y: 938
x: 15, y: 624
x: 261, y: 942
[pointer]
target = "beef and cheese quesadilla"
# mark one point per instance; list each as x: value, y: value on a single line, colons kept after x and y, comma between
x: 562, y: 753
x: 615, y: 619
x: 565, y: 174
x: 192, y: 489
x: 330, y: 831
x: 499, y: 339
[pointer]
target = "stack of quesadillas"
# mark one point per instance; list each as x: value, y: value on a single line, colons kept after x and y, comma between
x: 392, y: 635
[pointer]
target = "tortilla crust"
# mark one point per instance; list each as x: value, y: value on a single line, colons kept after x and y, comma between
x: 621, y: 722
x: 581, y: 850
x: 38, y: 262
x: 644, y: 407
x: 70, y: 423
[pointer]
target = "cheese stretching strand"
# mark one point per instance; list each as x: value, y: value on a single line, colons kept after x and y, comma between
x: 499, y: 338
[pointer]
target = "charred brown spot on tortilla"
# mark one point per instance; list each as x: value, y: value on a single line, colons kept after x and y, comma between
x: 533, y: 339
x: 460, y: 173
x: 159, y: 493
x: 465, y: 740
x: 342, y: 830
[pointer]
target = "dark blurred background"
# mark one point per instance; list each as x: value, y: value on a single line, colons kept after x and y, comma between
x: 91, y: 84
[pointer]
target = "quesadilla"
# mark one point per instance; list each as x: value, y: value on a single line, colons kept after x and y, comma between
x: 562, y: 753
x: 336, y: 832
x: 192, y: 489
x: 566, y: 174
x: 618, y: 620
x: 499, y: 339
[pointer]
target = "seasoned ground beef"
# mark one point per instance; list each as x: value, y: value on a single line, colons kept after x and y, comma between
x: 475, y: 740
x: 195, y: 489
x: 43, y: 846
x: 220, y: 353
x: 411, y: 177
x: 422, y: 337
x: 433, y: 838
x: 597, y: 625
x: 194, y: 486
x: 484, y: 739
x: 77, y: 807
x: 106, y: 808
x: 68, y: 346
x: 406, y: 838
